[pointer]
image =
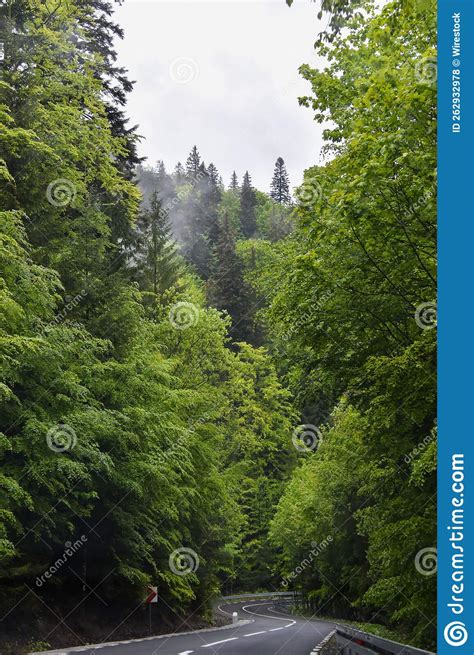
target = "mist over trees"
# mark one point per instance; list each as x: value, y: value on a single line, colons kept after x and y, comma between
x: 206, y: 225
x: 195, y: 201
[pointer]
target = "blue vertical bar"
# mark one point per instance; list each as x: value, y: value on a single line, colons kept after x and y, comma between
x: 456, y: 327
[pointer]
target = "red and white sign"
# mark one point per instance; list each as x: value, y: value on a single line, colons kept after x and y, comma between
x: 152, y: 595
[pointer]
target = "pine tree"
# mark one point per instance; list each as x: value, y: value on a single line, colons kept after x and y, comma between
x: 234, y: 182
x: 280, y: 187
x: 248, y: 203
x: 193, y: 163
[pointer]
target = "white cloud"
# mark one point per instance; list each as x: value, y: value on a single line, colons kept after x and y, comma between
x: 223, y: 76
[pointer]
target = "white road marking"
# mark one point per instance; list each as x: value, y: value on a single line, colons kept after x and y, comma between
x: 216, y: 643
x: 186, y: 652
x: 252, y: 634
x: 266, y: 616
x: 282, y: 628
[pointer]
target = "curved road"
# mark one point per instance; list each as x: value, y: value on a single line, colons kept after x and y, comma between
x: 269, y: 632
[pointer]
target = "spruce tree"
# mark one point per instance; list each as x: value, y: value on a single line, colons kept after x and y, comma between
x: 213, y: 191
x: 100, y: 31
x: 193, y: 163
x: 248, y: 203
x: 234, y: 182
x: 158, y: 262
x: 210, y: 200
x: 213, y: 174
x: 227, y: 288
x: 280, y: 187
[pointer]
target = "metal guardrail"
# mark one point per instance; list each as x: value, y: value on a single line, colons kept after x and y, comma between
x: 352, y: 641
x: 344, y: 646
x: 271, y: 594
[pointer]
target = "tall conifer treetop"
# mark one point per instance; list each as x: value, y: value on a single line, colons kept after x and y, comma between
x: 193, y: 163
x: 280, y: 187
x: 248, y: 203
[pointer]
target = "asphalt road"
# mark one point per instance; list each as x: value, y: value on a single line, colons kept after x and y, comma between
x: 270, y: 632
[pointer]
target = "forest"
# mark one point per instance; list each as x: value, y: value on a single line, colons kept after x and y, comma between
x: 205, y: 386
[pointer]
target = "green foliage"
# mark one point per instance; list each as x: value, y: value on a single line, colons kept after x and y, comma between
x: 119, y: 424
x: 258, y: 461
x: 274, y: 220
x: 345, y: 296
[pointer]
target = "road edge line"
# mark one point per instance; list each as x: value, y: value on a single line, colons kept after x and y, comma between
x: 79, y: 649
x: 317, y: 649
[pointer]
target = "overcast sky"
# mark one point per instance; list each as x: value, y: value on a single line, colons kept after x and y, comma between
x: 224, y: 76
